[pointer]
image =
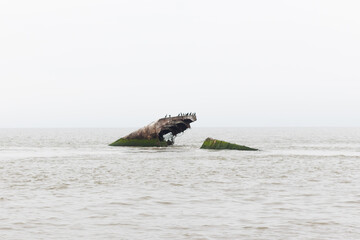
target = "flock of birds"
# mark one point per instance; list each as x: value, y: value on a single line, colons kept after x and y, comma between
x: 182, y: 115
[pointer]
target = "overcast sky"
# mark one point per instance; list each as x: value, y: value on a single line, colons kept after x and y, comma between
x: 83, y: 63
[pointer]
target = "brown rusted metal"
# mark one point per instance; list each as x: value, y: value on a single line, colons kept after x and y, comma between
x: 163, y: 126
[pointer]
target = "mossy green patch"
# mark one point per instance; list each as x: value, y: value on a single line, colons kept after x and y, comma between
x: 139, y: 143
x: 211, y: 143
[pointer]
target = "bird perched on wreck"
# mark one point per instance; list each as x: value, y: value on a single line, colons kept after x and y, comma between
x: 159, y: 133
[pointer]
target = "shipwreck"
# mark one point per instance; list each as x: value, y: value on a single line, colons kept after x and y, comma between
x: 161, y: 133
x: 216, y: 144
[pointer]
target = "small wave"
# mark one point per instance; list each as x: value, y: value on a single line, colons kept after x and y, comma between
x: 348, y: 156
x: 322, y: 223
x: 6, y: 228
x: 59, y: 187
x: 121, y: 203
x: 176, y: 184
x: 165, y: 202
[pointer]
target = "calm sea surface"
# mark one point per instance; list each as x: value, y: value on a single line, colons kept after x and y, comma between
x: 68, y: 184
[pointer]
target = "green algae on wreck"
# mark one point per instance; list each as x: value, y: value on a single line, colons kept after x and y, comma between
x: 211, y: 143
x: 139, y: 143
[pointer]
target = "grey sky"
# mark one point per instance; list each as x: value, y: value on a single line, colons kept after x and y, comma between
x: 81, y: 63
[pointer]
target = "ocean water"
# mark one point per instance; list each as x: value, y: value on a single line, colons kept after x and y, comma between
x: 68, y: 184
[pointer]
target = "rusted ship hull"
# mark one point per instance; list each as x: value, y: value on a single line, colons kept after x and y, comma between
x: 159, y: 133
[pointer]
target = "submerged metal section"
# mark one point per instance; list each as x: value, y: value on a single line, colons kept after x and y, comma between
x: 165, y: 129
